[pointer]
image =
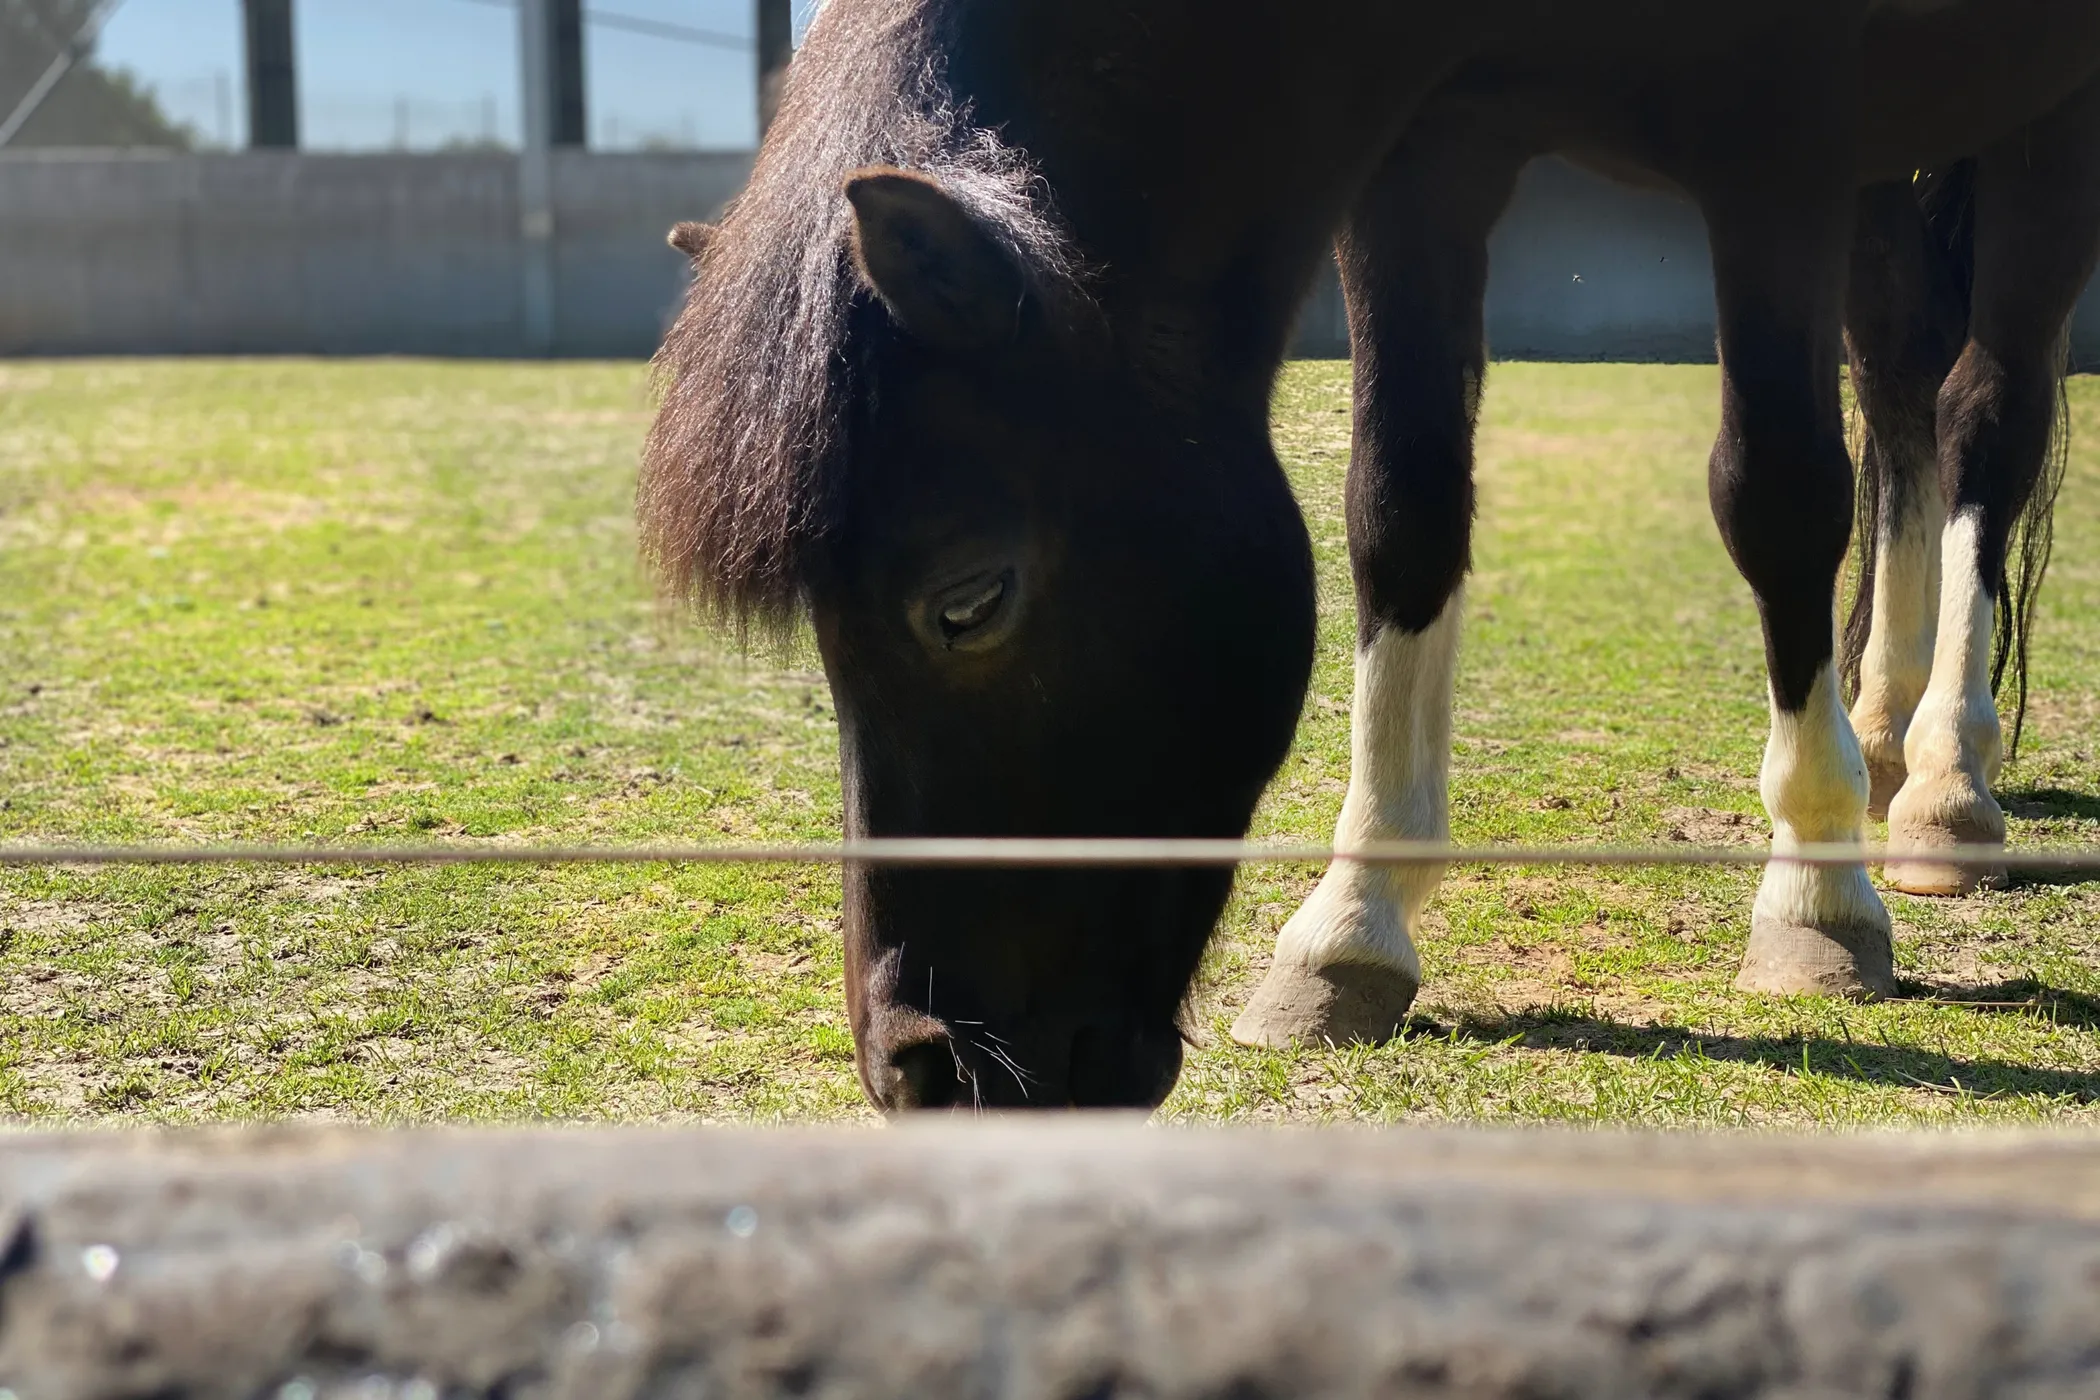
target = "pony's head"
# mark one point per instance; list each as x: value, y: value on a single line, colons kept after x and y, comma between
x: 1052, y: 599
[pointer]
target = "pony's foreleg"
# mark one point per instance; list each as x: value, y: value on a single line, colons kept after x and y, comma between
x: 1781, y: 487
x: 1346, y: 966
x: 1414, y: 263
x: 1905, y: 317
x: 2037, y: 237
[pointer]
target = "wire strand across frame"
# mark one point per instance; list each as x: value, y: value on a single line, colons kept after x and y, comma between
x: 1054, y: 853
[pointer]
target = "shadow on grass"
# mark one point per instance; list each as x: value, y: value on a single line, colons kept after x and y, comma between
x: 1898, y: 1066
x: 2052, y: 804
x: 2018, y: 996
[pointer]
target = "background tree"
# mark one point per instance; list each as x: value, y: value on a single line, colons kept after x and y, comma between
x: 92, y: 105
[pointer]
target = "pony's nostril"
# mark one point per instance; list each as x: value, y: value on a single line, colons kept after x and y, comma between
x: 923, y: 1076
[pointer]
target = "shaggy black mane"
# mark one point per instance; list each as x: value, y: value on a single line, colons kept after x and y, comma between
x: 741, y: 474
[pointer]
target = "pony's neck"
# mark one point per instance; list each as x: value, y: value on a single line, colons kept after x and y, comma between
x: 1202, y: 165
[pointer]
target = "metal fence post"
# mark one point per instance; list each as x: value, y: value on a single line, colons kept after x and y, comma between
x: 273, y: 77
x: 566, y: 95
x: 536, y: 174
x: 776, y: 45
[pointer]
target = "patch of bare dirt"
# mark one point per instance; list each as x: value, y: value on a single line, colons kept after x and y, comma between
x: 1538, y: 985
x: 1703, y: 772
x: 560, y: 986
x: 2066, y: 716
x: 1710, y: 826
x: 765, y: 964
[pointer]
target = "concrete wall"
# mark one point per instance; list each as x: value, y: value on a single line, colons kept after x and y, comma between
x: 139, y: 253
x: 268, y: 252
x: 1581, y: 268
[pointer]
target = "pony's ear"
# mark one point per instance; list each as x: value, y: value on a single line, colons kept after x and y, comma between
x: 941, y: 273
x: 690, y: 238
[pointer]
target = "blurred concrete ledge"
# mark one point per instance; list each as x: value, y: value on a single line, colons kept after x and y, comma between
x: 1075, y: 1258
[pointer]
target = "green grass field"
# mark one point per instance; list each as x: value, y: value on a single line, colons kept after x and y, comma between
x: 386, y: 601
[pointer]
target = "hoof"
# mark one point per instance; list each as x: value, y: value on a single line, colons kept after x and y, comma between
x: 1881, y: 745
x: 1961, y: 814
x: 1938, y: 878
x: 1351, y: 1003
x: 1855, y: 961
x: 1885, y: 781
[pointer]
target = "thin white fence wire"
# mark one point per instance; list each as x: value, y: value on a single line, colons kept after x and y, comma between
x: 1055, y: 853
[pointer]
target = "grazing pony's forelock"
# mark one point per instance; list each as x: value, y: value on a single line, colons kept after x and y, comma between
x: 742, y: 470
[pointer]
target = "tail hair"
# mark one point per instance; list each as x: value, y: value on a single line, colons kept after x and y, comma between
x: 2026, y: 563
x: 1866, y: 552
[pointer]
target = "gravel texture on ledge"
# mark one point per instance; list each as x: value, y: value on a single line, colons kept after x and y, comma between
x: 1077, y: 1259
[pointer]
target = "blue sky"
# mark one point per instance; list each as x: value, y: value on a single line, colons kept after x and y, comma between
x: 377, y: 74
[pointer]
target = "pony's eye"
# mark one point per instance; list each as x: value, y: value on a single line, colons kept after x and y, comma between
x: 971, y: 606
x: 974, y: 613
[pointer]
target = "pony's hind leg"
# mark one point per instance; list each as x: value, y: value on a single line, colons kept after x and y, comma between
x: 1414, y: 264
x: 1781, y: 487
x: 1906, y: 311
x: 2037, y: 212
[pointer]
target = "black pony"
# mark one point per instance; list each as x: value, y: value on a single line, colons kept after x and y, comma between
x: 976, y: 373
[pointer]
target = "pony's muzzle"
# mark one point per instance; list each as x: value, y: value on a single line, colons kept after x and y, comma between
x: 921, y: 1073
x: 1109, y: 1064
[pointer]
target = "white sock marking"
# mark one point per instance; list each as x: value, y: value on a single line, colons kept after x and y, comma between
x: 1955, y: 729
x: 1897, y: 663
x: 1399, y: 789
x: 1814, y: 784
